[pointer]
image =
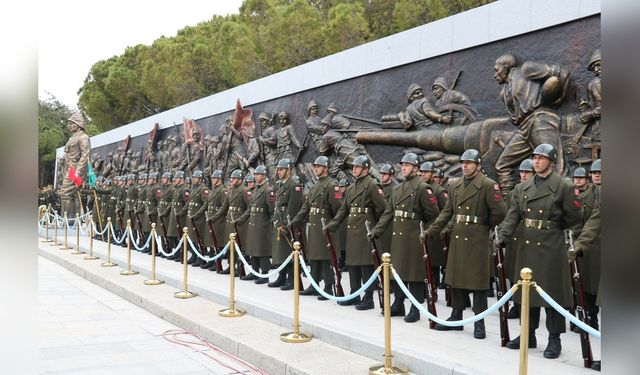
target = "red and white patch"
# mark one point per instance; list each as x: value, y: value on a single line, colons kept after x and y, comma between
x: 158, y: 193
x: 446, y: 195
x: 429, y: 191
x: 498, y: 197
x: 248, y: 193
x: 433, y: 200
x: 205, y: 192
x: 298, y: 188
x: 577, y: 204
x: 576, y: 192
x: 496, y: 187
x: 380, y: 192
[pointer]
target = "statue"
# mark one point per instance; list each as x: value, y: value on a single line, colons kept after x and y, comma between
x: 529, y: 91
x: 175, y: 156
x: 96, y: 163
x: 286, y: 138
x: 75, y: 159
x: 118, y: 160
x: 109, y: 170
x: 335, y: 120
x: 444, y: 95
x: 212, y: 155
x: 192, y: 147
x: 231, y: 147
x: 419, y: 113
x: 134, y: 162
x: 313, y: 125
x: 269, y: 142
x: 590, y: 110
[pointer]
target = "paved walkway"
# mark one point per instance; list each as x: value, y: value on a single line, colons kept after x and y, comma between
x: 85, y: 329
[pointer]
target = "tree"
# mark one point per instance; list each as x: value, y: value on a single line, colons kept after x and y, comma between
x: 52, y: 133
x: 346, y: 27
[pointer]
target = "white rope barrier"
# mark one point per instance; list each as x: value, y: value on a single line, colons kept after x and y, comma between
x: 204, y: 257
x: 353, y: 295
x: 585, y: 327
x: 263, y: 275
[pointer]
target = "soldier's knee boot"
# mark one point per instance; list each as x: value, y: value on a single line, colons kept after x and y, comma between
x: 282, y: 276
x: 397, y: 307
x: 478, y: 330
x: 456, y: 314
x: 554, y: 347
x: 367, y: 302
x: 255, y: 265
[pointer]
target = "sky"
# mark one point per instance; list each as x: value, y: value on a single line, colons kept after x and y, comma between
x: 73, y: 35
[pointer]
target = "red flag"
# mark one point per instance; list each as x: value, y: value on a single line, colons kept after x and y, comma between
x: 243, y: 119
x: 75, y: 178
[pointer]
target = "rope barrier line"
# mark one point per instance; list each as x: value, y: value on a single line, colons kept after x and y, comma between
x: 96, y: 231
x: 135, y: 242
x: 175, y: 250
x: 124, y: 235
x: 357, y: 293
x: 204, y: 257
x: 585, y: 327
x: 263, y: 275
x: 453, y: 323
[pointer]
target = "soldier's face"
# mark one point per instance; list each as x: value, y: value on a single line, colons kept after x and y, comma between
x: 263, y: 123
x: 385, y: 178
x: 596, y: 177
x: 541, y: 164
x: 72, y: 126
x: 234, y: 181
x: 357, y: 171
x: 426, y: 176
x: 408, y: 169
x: 259, y: 178
x: 165, y: 180
x: 579, y: 182
x: 416, y: 94
x: 525, y: 175
x: 469, y: 168
x: 438, y: 91
x: 318, y: 170
x: 251, y: 184
x: 142, y: 182
x: 282, y: 120
x: 501, y: 73
x: 282, y: 173
x: 196, y: 180
x: 313, y: 111
x: 597, y: 69
x: 342, y: 189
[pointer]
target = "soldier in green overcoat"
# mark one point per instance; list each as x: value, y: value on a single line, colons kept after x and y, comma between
x: 178, y: 214
x: 215, y: 229
x: 195, y: 215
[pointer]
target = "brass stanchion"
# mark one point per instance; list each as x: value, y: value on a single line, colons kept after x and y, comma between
x: 185, y: 293
x: 77, y: 236
x: 153, y: 280
x: 90, y: 234
x: 65, y: 228
x: 232, y: 312
x: 128, y: 271
x: 55, y: 230
x: 296, y: 336
x: 108, y: 263
x: 46, y: 225
x: 526, y: 274
x: 387, y: 368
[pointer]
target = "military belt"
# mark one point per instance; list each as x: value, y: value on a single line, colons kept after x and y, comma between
x: 234, y: 209
x: 541, y: 224
x: 469, y: 219
x: 257, y: 209
x: 317, y: 210
x: 358, y: 210
x: 404, y: 214
x: 282, y: 209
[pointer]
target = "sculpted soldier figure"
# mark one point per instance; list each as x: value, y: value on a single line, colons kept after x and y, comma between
x: 96, y: 163
x: 196, y: 207
x: 419, y: 112
x: 118, y: 160
x: 335, y: 120
x: 528, y: 91
x: 444, y: 95
x: 109, y: 170
x: 138, y: 206
x: 126, y: 162
x: 191, y: 154
x: 268, y: 140
x: 320, y: 203
x: 162, y: 157
x: 286, y: 138
x: 343, y: 150
x: 313, y: 125
x: 364, y: 201
x: 412, y: 202
x: 76, y: 157
x: 546, y: 205
x: 135, y: 162
x: 590, y: 111
x: 475, y: 206
x: 175, y: 155
x: 231, y: 149
x: 212, y: 159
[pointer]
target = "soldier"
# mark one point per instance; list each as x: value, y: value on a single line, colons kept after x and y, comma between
x: 153, y: 194
x: 546, y: 205
x: 164, y: 212
x: 235, y: 204
x: 287, y: 200
x: 118, y: 160
x: 321, y: 202
x: 589, y: 262
x: 215, y: 228
x: 313, y: 125
x: 335, y: 120
x: 268, y: 140
x: 113, y: 202
x: 475, y: 206
x: 162, y: 157
x: 341, y: 233
x: 590, y: 111
x: 130, y: 201
x: 364, y: 201
x: 195, y: 215
x: 412, y: 202
x: 419, y: 113
x: 121, y: 205
x: 231, y: 149
x: 178, y: 213
x: 260, y: 230
x: 528, y: 91
x: 174, y: 154
x: 434, y: 243
x: 212, y: 161
x: 138, y: 207
x: 192, y: 154
x: 596, y: 172
x: 126, y: 163
x: 109, y: 170
x: 388, y: 182
x: 444, y: 95
x: 285, y: 138
x: 343, y: 150
x: 76, y: 157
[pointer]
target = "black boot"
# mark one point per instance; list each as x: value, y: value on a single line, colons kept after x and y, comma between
x: 352, y: 301
x: 595, y: 365
x: 554, y: 347
x: 250, y: 276
x: 282, y: 276
x: 514, y: 313
x: 455, y: 315
x: 397, y: 307
x: 193, y: 258
x: 478, y: 330
x: 225, y: 271
x: 367, y: 302
x: 310, y: 291
x: 288, y: 285
x: 327, y: 289
x: 413, y: 315
x: 515, y: 343
x: 491, y: 292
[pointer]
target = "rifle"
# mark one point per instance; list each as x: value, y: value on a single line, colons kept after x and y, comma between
x: 198, y: 238
x: 144, y: 240
x: 334, y: 259
x: 502, y: 289
x: 164, y: 232
x: 445, y: 250
x: 304, y: 143
x: 376, y: 260
x: 432, y: 292
x: 293, y: 238
x: 241, y: 271
x: 214, y: 239
x: 580, y: 302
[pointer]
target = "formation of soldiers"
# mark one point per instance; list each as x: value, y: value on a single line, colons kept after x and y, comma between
x: 398, y: 217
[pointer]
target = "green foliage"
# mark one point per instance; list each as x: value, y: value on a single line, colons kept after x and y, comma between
x: 267, y: 36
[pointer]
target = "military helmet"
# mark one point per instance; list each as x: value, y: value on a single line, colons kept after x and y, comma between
x: 440, y: 81
x: 295, y: 179
x: 261, y: 169
x: 312, y: 103
x: 100, y: 178
x: 283, y: 114
x: 596, y: 57
x: 264, y: 116
x: 596, y: 166
x: 361, y: 161
x: 439, y: 173
x: 526, y: 165
x: 410, y: 158
x: 131, y: 176
x: 427, y: 166
x: 142, y: 176
x: 343, y: 182
x: 153, y: 176
x: 284, y: 163
x: 197, y: 174
x: 179, y: 174
x: 77, y: 119
x: 236, y: 174
x: 216, y: 174
x: 471, y: 155
x: 110, y: 153
x: 332, y: 108
x: 412, y: 88
x: 107, y: 181
x: 387, y: 168
x: 208, y: 137
x: 166, y: 175
x: 321, y: 160
x: 249, y: 178
x: 546, y: 150
x: 580, y: 172
x: 215, y: 139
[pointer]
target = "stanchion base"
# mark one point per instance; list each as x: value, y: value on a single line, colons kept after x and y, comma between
x: 65, y: 247
x: 77, y: 252
x: 54, y: 244
x: 91, y: 257
x: 109, y: 264
x: 153, y: 282
x: 185, y: 295
x: 46, y: 241
x: 381, y: 370
x: 128, y: 273
x: 295, y: 338
x: 228, y: 313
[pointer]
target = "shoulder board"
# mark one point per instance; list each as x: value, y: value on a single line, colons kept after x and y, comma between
x: 298, y: 188
x: 429, y: 191
x: 576, y: 192
x: 496, y: 187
